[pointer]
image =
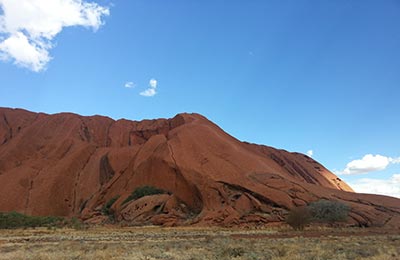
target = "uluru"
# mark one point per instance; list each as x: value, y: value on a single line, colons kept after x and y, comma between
x: 70, y: 165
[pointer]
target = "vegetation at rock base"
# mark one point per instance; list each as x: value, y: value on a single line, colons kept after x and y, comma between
x: 322, y: 211
x: 142, y: 192
x: 106, y: 210
x: 11, y: 220
x: 15, y: 220
x: 329, y: 211
x: 76, y: 224
x: 298, y: 218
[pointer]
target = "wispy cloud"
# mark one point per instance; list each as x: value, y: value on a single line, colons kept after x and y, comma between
x: 369, y: 163
x: 130, y: 84
x: 395, y: 160
x: 151, y: 91
x: 310, y: 153
x: 389, y: 187
x: 27, y: 27
x: 148, y: 92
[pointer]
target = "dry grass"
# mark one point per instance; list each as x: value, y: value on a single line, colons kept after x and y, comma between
x: 199, y: 243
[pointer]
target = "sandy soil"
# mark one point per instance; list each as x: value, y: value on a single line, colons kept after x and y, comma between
x: 199, y: 243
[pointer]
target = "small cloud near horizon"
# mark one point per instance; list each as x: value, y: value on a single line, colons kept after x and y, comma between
x: 151, y: 91
x: 28, y: 27
x: 369, y: 163
x: 310, y: 153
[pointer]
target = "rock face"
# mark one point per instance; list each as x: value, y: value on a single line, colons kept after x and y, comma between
x: 70, y: 165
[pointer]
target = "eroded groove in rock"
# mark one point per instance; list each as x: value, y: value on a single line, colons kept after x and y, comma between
x: 10, y: 131
x: 77, y: 177
x: 106, y: 171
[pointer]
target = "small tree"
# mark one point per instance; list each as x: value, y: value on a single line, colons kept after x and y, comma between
x: 329, y: 211
x: 298, y: 218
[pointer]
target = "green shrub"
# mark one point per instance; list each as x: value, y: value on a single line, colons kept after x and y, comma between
x: 106, y: 210
x: 329, y: 211
x: 10, y: 220
x: 298, y: 218
x: 324, y: 211
x: 232, y: 252
x: 142, y: 192
x: 76, y: 224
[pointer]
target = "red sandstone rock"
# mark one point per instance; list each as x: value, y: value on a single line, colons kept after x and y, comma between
x: 70, y: 165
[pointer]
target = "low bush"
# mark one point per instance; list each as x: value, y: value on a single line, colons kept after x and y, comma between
x: 323, y: 211
x: 298, y: 218
x: 76, y: 224
x: 106, y: 210
x: 10, y: 220
x: 329, y: 211
x: 142, y: 192
x: 234, y: 252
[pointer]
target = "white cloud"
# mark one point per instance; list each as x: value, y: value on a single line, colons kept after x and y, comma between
x: 310, y: 153
x: 130, y: 84
x: 389, y: 187
x: 394, y: 160
x: 27, y: 27
x: 153, y: 83
x: 151, y: 91
x: 25, y: 53
x: 148, y: 92
x: 369, y: 163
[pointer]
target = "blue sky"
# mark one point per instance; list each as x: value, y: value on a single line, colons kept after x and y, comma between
x: 298, y: 75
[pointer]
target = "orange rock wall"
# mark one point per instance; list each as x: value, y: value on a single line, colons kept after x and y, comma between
x: 70, y: 165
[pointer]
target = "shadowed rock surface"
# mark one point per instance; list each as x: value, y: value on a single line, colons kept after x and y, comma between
x: 70, y: 165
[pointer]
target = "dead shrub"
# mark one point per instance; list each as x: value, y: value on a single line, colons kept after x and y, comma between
x: 298, y: 218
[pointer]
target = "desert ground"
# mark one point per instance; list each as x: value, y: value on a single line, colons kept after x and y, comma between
x: 200, y: 243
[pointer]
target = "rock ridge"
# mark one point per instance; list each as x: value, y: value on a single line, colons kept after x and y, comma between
x: 71, y: 165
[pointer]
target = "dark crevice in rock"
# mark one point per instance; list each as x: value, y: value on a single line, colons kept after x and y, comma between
x: 175, y: 122
x: 299, y: 170
x: 176, y: 169
x: 77, y: 177
x: 108, y: 138
x: 252, y: 193
x: 83, y: 205
x: 84, y: 132
x: 387, y: 220
x: 368, y: 203
x: 106, y: 171
x: 366, y: 223
x: 28, y: 197
x: 198, y: 205
x: 293, y: 193
x: 294, y: 168
x: 278, y: 160
x: 10, y: 131
x: 133, y: 162
x: 66, y: 150
x: 104, y: 189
